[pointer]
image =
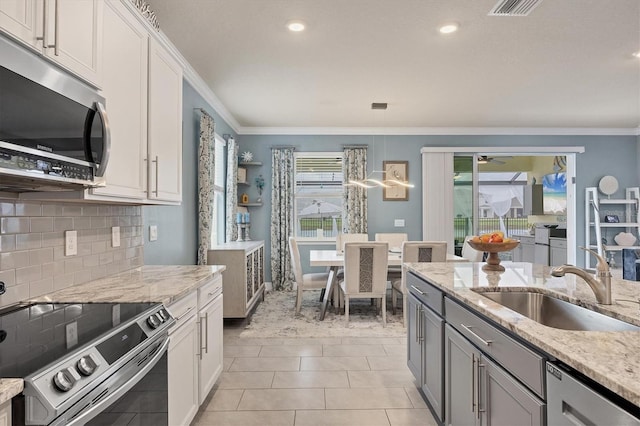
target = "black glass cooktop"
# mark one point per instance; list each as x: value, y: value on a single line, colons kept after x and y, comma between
x: 36, y: 335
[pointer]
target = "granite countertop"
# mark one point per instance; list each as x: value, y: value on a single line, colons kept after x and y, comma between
x: 610, y: 358
x: 163, y: 284
x: 10, y: 388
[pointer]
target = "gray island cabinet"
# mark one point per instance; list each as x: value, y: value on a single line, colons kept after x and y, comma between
x: 479, y: 363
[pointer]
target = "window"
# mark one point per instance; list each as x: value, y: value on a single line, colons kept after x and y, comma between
x: 318, y: 194
x: 217, y: 227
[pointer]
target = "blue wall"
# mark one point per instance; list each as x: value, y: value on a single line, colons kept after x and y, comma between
x: 178, y: 225
x: 604, y: 155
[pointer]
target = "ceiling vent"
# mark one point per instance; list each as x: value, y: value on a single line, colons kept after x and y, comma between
x: 514, y: 7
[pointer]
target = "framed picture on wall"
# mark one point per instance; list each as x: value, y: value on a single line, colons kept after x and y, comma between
x: 242, y: 175
x: 395, y: 170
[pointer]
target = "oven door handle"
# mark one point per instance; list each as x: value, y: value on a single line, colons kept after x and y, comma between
x: 99, y: 407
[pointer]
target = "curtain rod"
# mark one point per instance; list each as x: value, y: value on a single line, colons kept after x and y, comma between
x: 202, y: 110
x: 355, y: 146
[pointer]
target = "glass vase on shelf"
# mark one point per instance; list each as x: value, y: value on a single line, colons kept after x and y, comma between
x: 260, y: 186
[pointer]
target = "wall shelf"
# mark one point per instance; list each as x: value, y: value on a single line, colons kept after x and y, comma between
x: 250, y: 163
x: 250, y: 204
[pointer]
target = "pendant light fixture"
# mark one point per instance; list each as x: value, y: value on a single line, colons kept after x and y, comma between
x: 386, y: 181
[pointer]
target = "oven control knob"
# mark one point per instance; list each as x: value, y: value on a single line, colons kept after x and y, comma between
x: 86, y: 366
x: 163, y: 314
x: 154, y: 321
x: 63, y: 381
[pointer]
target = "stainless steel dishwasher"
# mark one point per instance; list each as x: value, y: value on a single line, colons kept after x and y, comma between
x: 571, y: 401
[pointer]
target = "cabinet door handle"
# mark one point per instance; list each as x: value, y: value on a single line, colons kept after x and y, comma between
x: 468, y: 329
x: 419, y: 291
x: 56, y: 30
x: 473, y: 382
x: 416, y: 315
x: 157, y: 175
x: 184, y: 314
x: 478, y: 389
x: 44, y: 24
x: 206, y: 333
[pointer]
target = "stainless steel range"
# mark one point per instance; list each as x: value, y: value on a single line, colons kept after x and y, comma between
x: 79, y: 360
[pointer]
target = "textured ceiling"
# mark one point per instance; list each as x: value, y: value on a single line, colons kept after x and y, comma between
x: 568, y: 64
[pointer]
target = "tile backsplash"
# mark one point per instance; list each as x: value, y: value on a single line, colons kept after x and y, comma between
x: 32, y: 260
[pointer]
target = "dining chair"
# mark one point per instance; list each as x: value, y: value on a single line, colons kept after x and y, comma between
x: 469, y: 253
x: 395, y: 239
x: 415, y: 251
x: 341, y: 239
x: 365, y: 274
x: 310, y: 281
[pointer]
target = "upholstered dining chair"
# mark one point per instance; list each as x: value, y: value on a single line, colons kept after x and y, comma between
x: 394, y: 239
x: 469, y: 253
x: 311, y: 281
x: 365, y: 274
x: 341, y: 239
x: 415, y: 251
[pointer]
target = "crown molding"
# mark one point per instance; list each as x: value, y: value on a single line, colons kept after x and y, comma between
x: 441, y: 131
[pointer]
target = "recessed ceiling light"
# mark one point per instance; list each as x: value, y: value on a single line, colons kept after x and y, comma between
x: 637, y: 54
x: 449, y: 28
x: 296, y: 26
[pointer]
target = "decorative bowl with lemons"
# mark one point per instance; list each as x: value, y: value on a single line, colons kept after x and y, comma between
x: 493, y: 243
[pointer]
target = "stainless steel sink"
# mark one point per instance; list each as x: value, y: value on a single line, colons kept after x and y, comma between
x: 557, y: 313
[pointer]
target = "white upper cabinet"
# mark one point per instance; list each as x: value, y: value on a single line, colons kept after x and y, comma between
x: 165, y: 125
x: 124, y: 82
x: 68, y: 32
x: 18, y: 19
x: 73, y: 35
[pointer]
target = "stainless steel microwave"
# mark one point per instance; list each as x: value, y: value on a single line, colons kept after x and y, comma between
x: 54, y: 130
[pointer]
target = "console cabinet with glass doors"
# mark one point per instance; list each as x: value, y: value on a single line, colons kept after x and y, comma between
x: 243, y: 280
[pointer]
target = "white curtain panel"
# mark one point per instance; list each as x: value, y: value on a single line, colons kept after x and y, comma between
x: 282, y: 187
x: 232, y: 190
x: 206, y: 172
x: 354, y: 167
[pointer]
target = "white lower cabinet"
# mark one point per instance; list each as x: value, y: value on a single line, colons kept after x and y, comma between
x: 5, y: 414
x: 210, y: 365
x: 182, y: 362
x: 195, y: 350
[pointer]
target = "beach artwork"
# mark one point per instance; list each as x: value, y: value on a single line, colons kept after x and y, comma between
x: 554, y: 193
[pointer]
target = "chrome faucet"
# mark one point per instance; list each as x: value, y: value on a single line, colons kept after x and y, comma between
x: 600, y: 284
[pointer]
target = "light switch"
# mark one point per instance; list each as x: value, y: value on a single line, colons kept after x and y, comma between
x: 70, y: 243
x: 153, y: 232
x: 398, y: 223
x: 115, y: 236
x: 72, y: 334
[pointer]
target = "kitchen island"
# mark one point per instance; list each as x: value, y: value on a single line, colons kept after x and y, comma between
x: 611, y: 359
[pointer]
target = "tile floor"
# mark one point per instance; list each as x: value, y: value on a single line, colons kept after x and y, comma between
x: 314, y: 381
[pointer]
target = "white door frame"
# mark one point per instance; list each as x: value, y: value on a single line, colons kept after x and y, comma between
x: 437, y: 184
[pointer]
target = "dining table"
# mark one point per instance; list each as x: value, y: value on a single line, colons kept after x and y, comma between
x: 335, y: 260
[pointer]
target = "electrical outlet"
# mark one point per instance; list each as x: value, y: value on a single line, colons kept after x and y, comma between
x: 70, y: 243
x: 398, y: 223
x: 72, y: 334
x: 153, y: 232
x: 115, y: 236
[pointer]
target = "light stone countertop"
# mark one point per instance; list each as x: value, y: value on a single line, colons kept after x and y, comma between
x: 162, y: 284
x: 10, y: 388
x: 609, y: 358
